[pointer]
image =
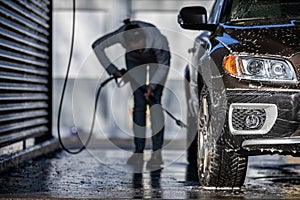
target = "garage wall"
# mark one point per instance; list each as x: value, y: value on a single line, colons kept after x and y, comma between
x: 25, y: 74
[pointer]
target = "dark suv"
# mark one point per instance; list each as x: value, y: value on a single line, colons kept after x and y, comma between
x: 244, y: 94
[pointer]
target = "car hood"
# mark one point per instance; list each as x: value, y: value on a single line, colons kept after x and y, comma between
x: 279, y: 39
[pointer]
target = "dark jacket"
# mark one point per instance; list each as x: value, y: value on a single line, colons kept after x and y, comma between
x: 155, y: 41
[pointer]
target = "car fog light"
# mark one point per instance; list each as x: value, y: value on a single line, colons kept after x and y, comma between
x: 252, y: 121
x: 248, y: 119
x: 251, y: 118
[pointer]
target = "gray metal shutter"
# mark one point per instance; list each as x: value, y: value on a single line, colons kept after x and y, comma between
x: 25, y: 70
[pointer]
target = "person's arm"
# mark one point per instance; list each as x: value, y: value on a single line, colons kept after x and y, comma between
x: 104, y: 42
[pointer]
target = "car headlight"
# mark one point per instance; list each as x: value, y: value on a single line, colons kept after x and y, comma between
x: 260, y: 68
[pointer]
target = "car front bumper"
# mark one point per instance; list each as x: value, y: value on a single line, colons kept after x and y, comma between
x: 264, y: 120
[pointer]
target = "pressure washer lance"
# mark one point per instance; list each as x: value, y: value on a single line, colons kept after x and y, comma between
x: 152, y: 100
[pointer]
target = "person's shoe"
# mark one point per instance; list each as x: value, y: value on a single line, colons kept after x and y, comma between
x: 155, y: 162
x: 137, y: 159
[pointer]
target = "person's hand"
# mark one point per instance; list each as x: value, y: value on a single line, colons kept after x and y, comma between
x: 117, y: 74
x: 149, y: 93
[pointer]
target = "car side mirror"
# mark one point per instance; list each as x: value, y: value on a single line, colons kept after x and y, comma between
x: 194, y: 18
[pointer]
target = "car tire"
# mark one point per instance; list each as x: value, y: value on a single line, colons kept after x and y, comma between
x: 191, y: 139
x: 217, y: 166
x: 192, y: 143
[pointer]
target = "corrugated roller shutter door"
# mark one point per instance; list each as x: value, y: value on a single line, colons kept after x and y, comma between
x: 25, y: 70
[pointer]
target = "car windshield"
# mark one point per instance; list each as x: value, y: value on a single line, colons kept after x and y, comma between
x: 264, y: 9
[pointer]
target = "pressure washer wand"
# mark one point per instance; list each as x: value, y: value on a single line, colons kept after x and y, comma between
x: 152, y: 100
x: 177, y: 121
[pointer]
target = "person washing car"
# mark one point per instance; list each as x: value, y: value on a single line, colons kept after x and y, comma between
x: 147, y: 55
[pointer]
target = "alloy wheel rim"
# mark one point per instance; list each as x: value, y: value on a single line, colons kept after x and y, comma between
x: 202, y: 135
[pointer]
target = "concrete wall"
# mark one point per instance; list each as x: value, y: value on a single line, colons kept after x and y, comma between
x: 93, y: 19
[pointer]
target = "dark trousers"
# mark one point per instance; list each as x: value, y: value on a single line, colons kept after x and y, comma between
x: 137, y: 69
x: 156, y: 118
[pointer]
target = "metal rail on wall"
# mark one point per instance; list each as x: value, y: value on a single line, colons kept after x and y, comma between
x: 25, y: 71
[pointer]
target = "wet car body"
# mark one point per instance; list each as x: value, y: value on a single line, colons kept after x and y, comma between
x: 265, y: 40
x: 244, y: 85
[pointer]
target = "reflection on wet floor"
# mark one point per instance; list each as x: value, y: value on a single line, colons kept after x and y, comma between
x: 151, y: 190
x: 268, y: 177
x: 83, y: 176
x: 278, y: 175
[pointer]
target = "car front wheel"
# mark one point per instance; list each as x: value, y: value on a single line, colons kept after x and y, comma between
x: 217, y: 166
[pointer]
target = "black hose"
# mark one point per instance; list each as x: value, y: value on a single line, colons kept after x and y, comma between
x: 65, y: 85
x: 64, y: 90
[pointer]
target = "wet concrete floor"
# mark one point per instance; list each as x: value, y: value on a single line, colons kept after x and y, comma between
x: 102, y: 173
